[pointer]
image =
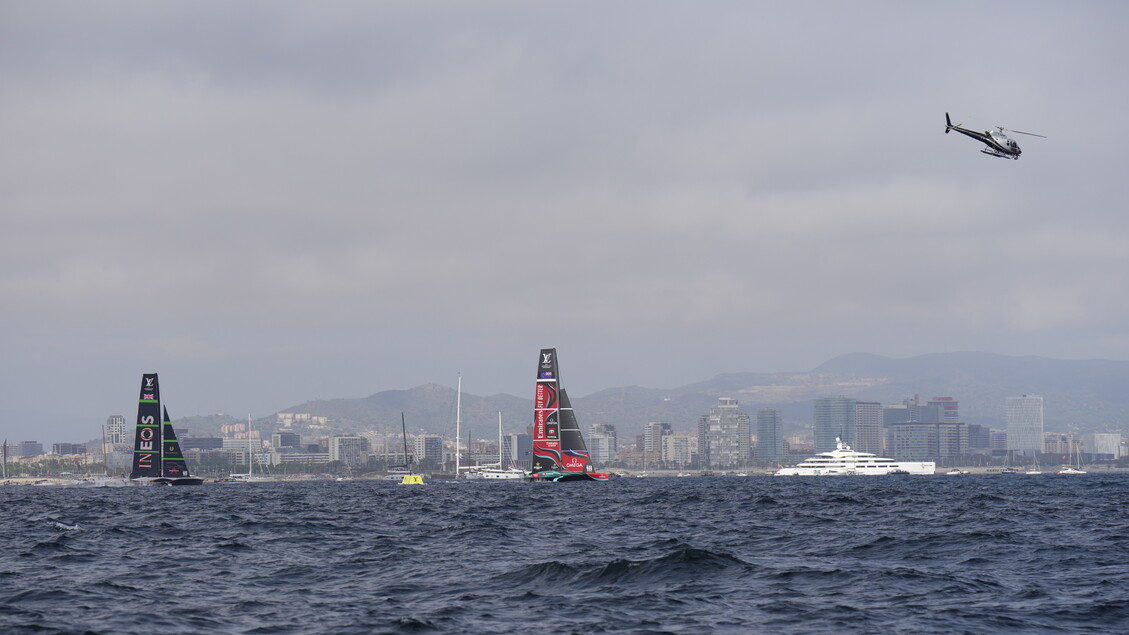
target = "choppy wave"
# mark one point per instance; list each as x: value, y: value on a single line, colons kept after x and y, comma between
x: 969, y: 554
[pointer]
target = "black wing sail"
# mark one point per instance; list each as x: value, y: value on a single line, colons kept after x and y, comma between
x: 172, y: 460
x: 147, y: 436
x: 574, y: 453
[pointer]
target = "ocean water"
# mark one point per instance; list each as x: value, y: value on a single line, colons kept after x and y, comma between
x: 942, y: 554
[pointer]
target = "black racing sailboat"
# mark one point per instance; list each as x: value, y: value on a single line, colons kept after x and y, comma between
x: 559, y: 451
x: 157, y: 458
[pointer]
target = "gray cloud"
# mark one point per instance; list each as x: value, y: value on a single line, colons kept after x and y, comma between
x: 273, y: 202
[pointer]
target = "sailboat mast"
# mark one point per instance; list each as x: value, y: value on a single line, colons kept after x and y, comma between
x: 404, y: 429
x: 161, y: 439
x: 458, y: 421
x: 105, y: 458
x: 500, y: 441
x: 250, y: 460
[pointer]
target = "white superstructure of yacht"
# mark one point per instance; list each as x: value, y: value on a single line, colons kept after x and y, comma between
x: 494, y: 473
x: 843, y: 461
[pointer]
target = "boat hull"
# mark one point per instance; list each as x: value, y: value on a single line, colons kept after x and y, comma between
x: 167, y: 480
x: 902, y: 468
x: 496, y: 475
x: 557, y: 476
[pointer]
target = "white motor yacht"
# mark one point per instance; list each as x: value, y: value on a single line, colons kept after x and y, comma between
x: 843, y: 461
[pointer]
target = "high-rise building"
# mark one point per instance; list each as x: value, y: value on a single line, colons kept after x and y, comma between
x: 979, y: 440
x: 936, y: 410
x: 601, y: 443
x: 947, y: 409
x: 932, y: 431
x: 834, y: 419
x: 286, y: 438
x: 244, y: 451
x: 428, y: 451
x: 912, y: 441
x: 997, y: 441
x: 678, y: 450
x: 118, y: 446
x: 896, y: 413
x: 952, y: 440
x: 518, y: 451
x: 868, y: 427
x: 653, y: 432
x: 352, y: 451
x: 116, y: 433
x: 770, y: 435
x: 1101, y: 446
x: 724, y: 436
x: 1025, y: 424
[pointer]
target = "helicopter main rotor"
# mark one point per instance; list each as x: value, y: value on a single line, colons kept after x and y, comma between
x: 1032, y: 134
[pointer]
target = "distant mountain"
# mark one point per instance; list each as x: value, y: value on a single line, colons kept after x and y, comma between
x: 1079, y: 395
x: 1091, y: 395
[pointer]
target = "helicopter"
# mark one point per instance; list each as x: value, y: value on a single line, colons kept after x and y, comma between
x: 998, y: 143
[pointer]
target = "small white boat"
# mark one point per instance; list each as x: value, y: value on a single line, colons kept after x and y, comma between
x: 102, y: 480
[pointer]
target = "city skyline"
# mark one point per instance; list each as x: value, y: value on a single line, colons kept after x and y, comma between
x: 1072, y: 383
x: 934, y: 430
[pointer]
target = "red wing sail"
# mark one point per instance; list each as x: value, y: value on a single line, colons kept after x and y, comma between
x: 557, y: 442
x: 546, y: 415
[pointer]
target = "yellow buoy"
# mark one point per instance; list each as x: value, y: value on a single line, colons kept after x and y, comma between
x: 412, y: 479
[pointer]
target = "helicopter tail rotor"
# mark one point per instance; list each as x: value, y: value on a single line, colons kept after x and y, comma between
x: 948, y: 123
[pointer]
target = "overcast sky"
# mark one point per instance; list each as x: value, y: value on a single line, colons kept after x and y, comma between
x: 274, y: 202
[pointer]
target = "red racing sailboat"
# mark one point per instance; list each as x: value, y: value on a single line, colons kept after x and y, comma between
x: 559, y: 452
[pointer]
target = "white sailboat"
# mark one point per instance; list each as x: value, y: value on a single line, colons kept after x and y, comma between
x: 682, y: 470
x: 249, y: 477
x: 1034, y: 466
x: 458, y: 422
x: 497, y: 473
x: 1070, y: 467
